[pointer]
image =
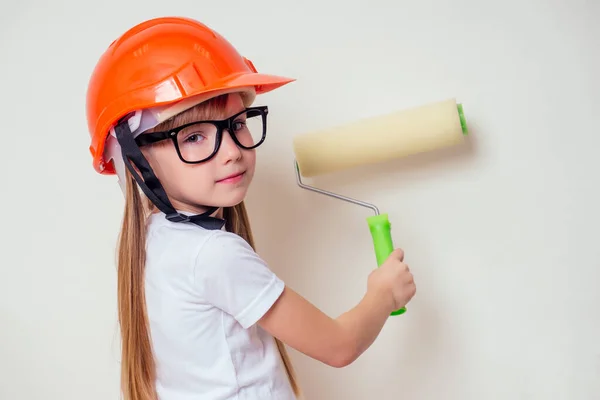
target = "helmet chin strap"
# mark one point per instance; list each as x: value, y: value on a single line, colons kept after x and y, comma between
x: 152, y: 187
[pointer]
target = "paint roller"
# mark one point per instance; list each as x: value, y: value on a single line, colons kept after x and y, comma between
x: 376, y: 140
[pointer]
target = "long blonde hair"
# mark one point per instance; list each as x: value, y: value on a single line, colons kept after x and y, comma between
x: 138, y: 369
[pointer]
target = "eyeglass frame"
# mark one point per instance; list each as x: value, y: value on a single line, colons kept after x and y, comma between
x: 154, y: 137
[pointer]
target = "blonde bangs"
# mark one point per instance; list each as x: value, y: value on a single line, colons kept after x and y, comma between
x: 214, y: 108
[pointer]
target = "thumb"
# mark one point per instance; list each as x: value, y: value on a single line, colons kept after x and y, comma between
x: 398, y: 254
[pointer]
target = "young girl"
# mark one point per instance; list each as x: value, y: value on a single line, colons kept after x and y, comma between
x: 202, y: 316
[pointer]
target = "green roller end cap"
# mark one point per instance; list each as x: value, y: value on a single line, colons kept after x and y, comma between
x: 463, y: 120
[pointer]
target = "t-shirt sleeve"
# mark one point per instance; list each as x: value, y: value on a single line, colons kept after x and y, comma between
x: 231, y: 276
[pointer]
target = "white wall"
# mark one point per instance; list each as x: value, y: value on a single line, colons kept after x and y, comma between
x: 502, y: 233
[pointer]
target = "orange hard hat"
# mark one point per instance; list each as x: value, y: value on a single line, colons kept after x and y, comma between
x: 164, y: 61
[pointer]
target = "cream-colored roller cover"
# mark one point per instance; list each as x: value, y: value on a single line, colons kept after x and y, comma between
x: 381, y: 138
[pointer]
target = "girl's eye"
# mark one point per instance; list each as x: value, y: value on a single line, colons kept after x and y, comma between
x: 193, y: 138
x: 239, y: 125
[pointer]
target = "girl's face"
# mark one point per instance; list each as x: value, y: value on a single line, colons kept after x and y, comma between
x: 222, y: 181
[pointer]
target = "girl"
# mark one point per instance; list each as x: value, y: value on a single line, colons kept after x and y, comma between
x: 202, y: 316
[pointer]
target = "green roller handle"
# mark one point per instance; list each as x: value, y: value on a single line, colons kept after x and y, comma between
x: 382, y: 241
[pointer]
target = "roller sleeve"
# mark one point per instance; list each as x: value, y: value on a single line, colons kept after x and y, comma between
x: 382, y: 138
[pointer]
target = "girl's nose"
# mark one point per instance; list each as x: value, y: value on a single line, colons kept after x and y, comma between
x: 229, y: 151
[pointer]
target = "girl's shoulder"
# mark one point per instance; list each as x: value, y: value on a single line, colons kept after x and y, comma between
x: 204, y: 245
x: 221, y: 268
x: 158, y: 225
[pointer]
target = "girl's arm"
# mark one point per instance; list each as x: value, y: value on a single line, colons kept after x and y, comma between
x: 335, y: 342
x: 338, y: 342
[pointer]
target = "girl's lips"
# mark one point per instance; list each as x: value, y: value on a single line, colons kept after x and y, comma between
x: 232, y: 178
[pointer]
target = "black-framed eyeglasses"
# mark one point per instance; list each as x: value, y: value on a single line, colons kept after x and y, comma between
x: 199, y: 141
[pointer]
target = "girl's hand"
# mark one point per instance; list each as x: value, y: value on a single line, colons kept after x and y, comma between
x: 392, y: 282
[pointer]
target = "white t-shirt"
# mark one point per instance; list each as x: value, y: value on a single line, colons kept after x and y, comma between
x: 205, y: 290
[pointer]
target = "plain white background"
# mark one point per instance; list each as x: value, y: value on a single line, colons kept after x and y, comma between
x: 502, y: 233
